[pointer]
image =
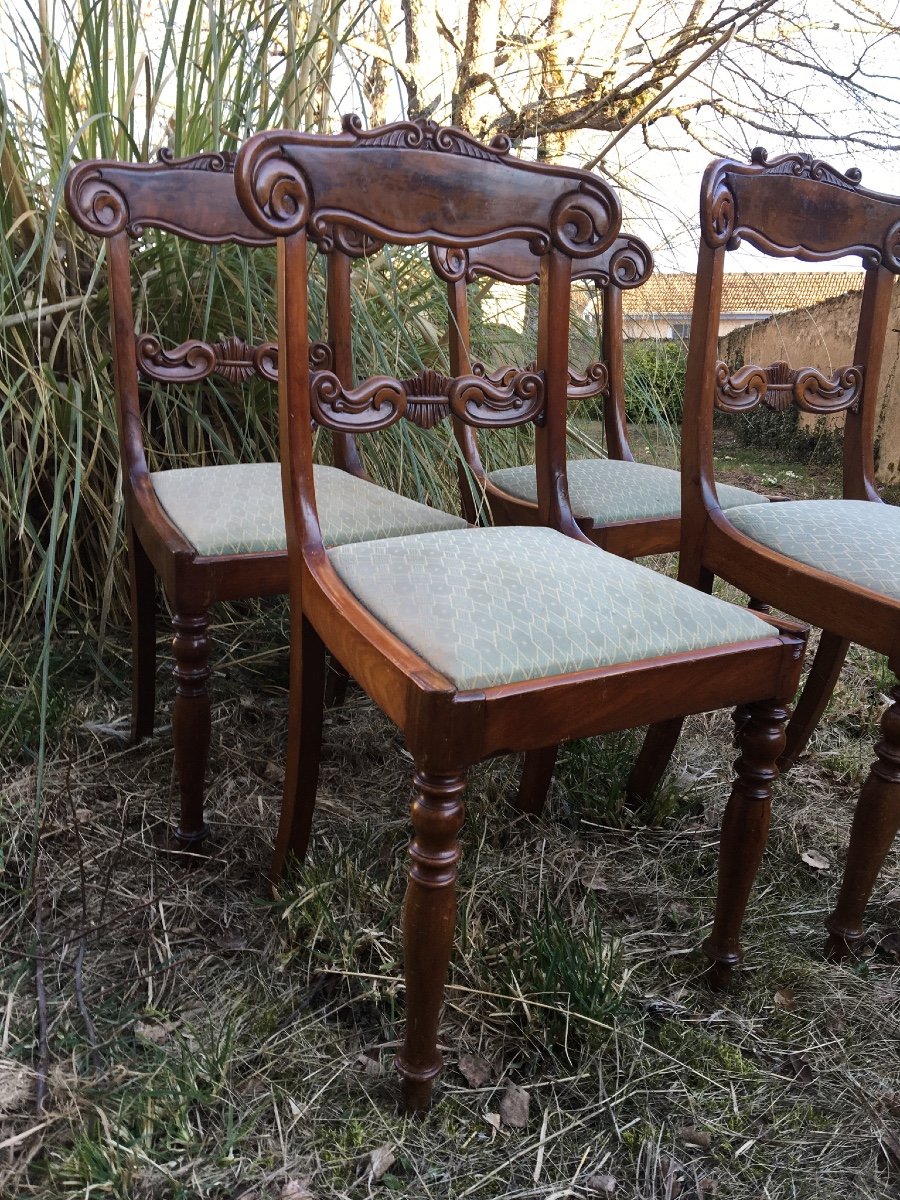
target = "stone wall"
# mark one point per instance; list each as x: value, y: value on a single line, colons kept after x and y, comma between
x: 823, y: 337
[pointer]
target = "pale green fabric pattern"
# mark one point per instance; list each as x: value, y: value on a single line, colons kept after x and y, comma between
x: 493, y: 606
x: 607, y: 490
x: 238, y: 509
x: 857, y: 540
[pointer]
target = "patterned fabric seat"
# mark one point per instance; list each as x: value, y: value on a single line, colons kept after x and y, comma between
x: 607, y: 490
x: 238, y: 509
x: 494, y: 606
x: 856, y: 540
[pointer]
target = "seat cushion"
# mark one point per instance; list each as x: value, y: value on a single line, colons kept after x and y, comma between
x: 857, y: 540
x: 493, y: 606
x: 239, y: 510
x: 606, y: 490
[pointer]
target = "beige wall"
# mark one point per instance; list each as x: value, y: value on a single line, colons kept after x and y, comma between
x: 823, y: 337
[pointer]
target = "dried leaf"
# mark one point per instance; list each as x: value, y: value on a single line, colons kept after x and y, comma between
x: 593, y: 877
x: 695, y: 1137
x: 785, y: 1000
x: 296, y: 1189
x: 156, y: 1032
x: 380, y: 1161
x: 796, y: 1067
x: 708, y: 1186
x: 813, y: 858
x: 514, y: 1107
x: 475, y: 1070
x: 273, y: 771
x: 15, y: 1086
x: 370, y: 1065
x: 889, y: 945
x: 493, y: 1119
x: 600, y: 1185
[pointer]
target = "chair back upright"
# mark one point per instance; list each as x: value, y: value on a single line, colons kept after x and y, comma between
x: 192, y: 198
x: 792, y: 206
x: 415, y: 183
x: 627, y: 263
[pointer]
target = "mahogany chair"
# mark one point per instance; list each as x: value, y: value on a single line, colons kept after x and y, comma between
x: 210, y: 533
x: 834, y: 563
x: 627, y: 507
x: 482, y: 641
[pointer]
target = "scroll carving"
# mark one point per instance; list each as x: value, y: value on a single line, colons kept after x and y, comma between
x: 593, y: 382
x: 580, y: 221
x: 100, y: 207
x: 231, y: 358
x: 278, y: 192
x: 805, y: 166
x: 630, y: 265
x: 424, y: 134
x: 215, y: 160
x: 508, y: 397
x: 450, y: 263
x: 778, y: 386
x: 377, y: 402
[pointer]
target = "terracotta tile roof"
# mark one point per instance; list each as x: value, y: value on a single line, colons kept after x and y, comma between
x: 746, y: 292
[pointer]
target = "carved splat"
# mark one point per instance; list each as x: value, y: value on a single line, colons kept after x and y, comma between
x: 428, y: 398
x: 778, y: 386
x: 375, y: 404
x: 506, y: 397
x: 231, y: 358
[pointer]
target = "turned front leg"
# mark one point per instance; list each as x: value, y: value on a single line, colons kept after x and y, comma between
x: 875, y: 824
x: 429, y: 923
x: 191, y: 722
x: 745, y: 827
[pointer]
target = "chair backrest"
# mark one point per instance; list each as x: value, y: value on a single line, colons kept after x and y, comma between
x: 793, y: 206
x: 192, y: 198
x: 407, y: 184
x: 627, y: 263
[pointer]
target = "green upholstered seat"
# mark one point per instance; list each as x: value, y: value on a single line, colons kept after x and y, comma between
x: 607, y: 490
x: 239, y: 510
x: 494, y: 606
x: 856, y: 540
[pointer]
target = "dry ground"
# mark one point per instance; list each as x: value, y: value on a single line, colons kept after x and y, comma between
x: 197, y: 1039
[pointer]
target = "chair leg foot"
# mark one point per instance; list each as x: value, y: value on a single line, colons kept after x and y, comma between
x: 875, y: 824
x: 142, y: 582
x: 304, y: 748
x: 191, y: 725
x: 813, y: 700
x: 429, y: 923
x: 537, y: 775
x: 745, y: 827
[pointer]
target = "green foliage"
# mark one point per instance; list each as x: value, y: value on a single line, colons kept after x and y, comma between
x: 654, y: 381
x: 569, y: 968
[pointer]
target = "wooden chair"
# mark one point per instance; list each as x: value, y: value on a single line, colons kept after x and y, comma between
x: 209, y: 532
x: 627, y: 507
x: 482, y: 641
x: 834, y: 563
